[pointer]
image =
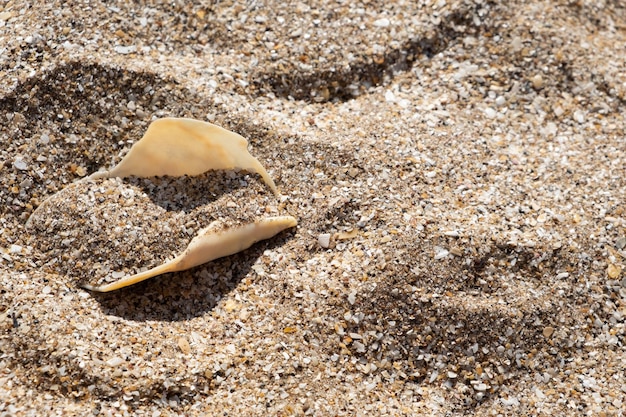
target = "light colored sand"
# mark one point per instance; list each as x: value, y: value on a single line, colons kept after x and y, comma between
x: 477, y: 151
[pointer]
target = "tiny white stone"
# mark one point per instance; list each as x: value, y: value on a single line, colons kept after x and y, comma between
x: 115, y: 361
x: 125, y: 50
x: 382, y: 23
x: 20, y: 164
x: 404, y: 103
x: 363, y: 221
x: 433, y: 376
x: 324, y: 240
x: 390, y: 97
x: 558, y: 111
x: 490, y: 113
x: 579, y: 116
x: 440, y: 253
x: 540, y: 394
x: 352, y: 297
x: 15, y: 249
x: 360, y: 347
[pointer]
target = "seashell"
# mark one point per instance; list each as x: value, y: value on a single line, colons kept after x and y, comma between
x: 179, y: 146
x: 210, y: 244
x: 153, y: 224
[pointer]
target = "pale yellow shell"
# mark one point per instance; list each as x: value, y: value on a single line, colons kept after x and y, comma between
x: 179, y: 146
x: 207, y: 246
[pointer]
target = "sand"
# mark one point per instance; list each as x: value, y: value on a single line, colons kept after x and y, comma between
x: 457, y: 169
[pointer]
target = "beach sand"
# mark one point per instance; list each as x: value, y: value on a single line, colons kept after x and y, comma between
x: 457, y: 169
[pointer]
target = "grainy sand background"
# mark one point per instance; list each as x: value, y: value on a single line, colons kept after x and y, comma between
x: 458, y: 172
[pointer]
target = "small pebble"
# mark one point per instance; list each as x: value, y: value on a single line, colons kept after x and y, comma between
x: 183, y: 345
x: 115, y: 361
x: 440, y: 253
x: 118, y: 274
x: 15, y: 249
x: 352, y: 297
x: 125, y: 50
x: 579, y: 116
x: 324, y: 240
x: 20, y: 164
x: 490, y: 113
x: 558, y: 111
x: 548, y: 331
x: 481, y: 387
x: 613, y: 271
x: 382, y: 23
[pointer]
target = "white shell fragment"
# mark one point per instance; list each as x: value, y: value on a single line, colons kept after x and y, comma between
x: 179, y: 146
x: 181, y: 176
x: 207, y: 246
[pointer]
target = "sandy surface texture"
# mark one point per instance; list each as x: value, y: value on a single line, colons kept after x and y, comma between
x: 458, y: 170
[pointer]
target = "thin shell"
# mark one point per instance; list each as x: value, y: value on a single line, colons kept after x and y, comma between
x: 207, y: 246
x: 179, y: 146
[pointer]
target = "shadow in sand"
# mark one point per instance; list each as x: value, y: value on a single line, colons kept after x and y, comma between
x: 189, y: 192
x: 462, y: 336
x: 95, y: 140
x: 188, y: 294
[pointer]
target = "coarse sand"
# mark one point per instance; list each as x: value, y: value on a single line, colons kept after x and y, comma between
x: 457, y: 169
